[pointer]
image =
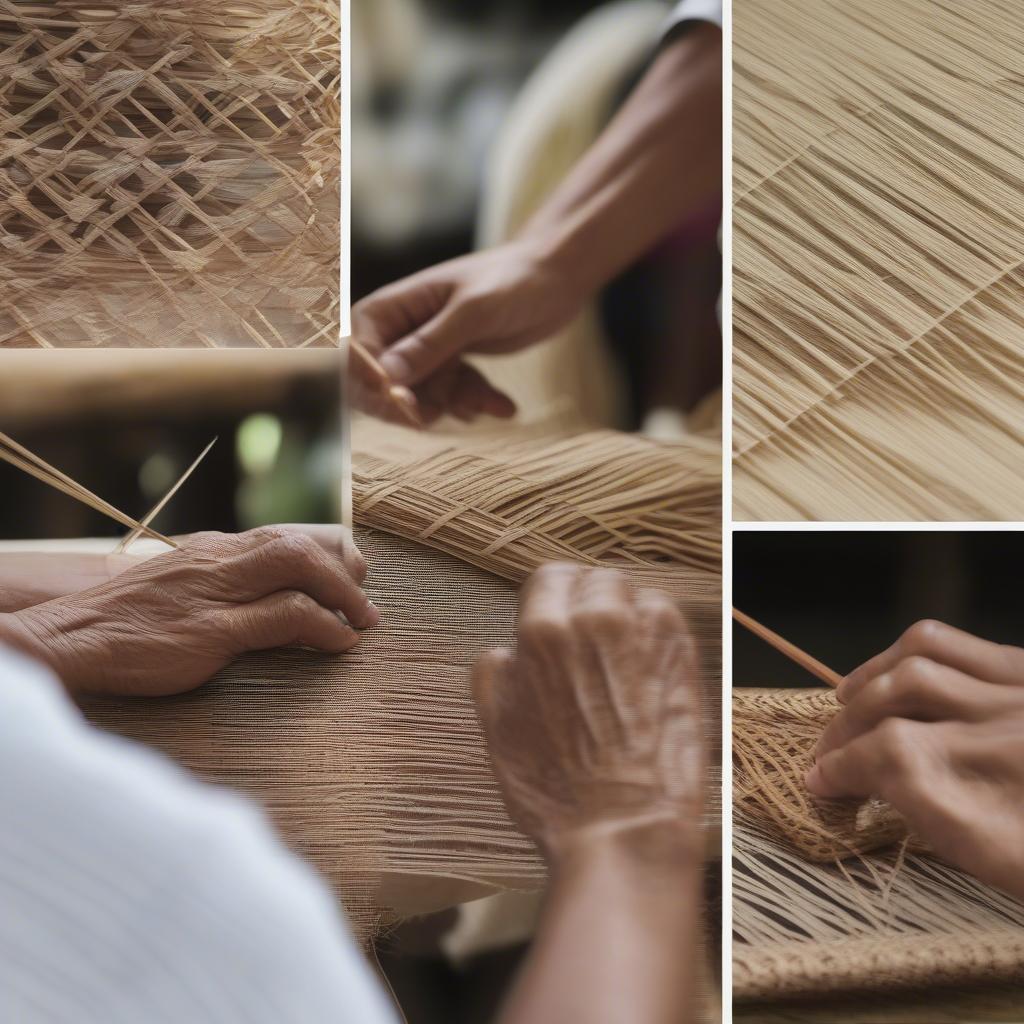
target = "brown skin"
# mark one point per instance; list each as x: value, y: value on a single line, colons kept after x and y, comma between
x: 935, y: 726
x: 593, y: 732
x: 657, y: 162
x: 169, y: 623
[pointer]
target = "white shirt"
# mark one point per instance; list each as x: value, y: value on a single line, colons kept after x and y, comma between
x: 130, y: 892
x: 695, y: 10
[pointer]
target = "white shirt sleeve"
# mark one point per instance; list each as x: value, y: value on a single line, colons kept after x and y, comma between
x: 131, y: 892
x: 695, y: 10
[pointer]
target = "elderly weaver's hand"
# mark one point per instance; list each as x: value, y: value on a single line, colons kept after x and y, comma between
x: 593, y: 720
x: 496, y: 301
x: 169, y: 623
x: 935, y: 726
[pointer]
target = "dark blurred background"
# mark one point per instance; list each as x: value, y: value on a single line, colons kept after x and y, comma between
x: 434, y: 82
x: 846, y: 596
x: 127, y: 427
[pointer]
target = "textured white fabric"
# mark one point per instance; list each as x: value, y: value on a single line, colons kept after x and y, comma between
x: 130, y: 892
x: 695, y: 10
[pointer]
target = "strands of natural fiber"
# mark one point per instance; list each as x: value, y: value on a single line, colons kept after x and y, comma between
x: 774, y: 732
x: 509, y: 504
x: 878, y: 261
x: 882, y: 922
x: 134, y: 535
x: 21, y: 458
x: 169, y: 173
x: 833, y: 896
x: 791, y: 651
x: 373, y: 764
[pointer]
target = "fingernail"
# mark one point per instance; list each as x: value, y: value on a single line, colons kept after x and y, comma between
x: 372, y: 614
x: 813, y: 781
x: 395, y: 367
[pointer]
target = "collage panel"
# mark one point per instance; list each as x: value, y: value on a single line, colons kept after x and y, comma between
x: 171, y: 174
x: 876, y: 749
x: 877, y: 222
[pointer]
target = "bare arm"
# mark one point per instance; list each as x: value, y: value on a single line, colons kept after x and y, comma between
x: 658, y: 160
x: 594, y: 737
x: 618, y: 937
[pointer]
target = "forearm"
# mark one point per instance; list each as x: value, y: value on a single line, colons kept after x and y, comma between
x: 618, y: 939
x: 658, y: 161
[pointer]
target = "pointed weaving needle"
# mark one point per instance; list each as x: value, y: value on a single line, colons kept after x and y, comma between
x: 791, y: 651
x: 133, y: 536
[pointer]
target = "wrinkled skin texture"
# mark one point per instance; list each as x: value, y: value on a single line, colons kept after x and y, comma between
x: 935, y: 726
x: 593, y: 721
x: 168, y: 623
x: 497, y: 301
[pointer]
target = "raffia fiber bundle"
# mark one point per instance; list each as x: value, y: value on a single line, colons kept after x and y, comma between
x: 169, y: 173
x: 826, y: 898
x: 372, y: 764
x: 878, y: 281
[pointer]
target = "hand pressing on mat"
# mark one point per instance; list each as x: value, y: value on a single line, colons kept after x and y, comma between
x: 169, y: 623
x: 592, y: 724
x: 935, y: 726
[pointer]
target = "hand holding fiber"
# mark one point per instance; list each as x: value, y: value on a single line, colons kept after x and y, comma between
x: 592, y: 720
x: 497, y: 301
x: 168, y: 624
x: 935, y: 726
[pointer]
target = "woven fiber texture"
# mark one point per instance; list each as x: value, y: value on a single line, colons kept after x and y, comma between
x: 878, y: 278
x: 169, y: 173
x: 511, y: 501
x: 884, y: 922
x: 826, y: 899
x: 774, y: 732
x: 372, y: 764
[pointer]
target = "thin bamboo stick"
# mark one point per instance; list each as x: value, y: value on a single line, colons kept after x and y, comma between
x: 130, y: 538
x: 791, y: 651
x: 21, y: 458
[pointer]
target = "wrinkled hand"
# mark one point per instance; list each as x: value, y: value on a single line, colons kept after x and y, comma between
x: 935, y: 726
x: 497, y: 301
x: 167, y: 624
x: 593, y: 721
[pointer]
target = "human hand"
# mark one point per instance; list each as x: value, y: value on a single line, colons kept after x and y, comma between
x: 167, y: 624
x: 935, y: 726
x: 500, y: 300
x: 592, y: 720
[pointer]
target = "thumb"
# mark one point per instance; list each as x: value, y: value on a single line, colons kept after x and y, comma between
x: 437, y: 342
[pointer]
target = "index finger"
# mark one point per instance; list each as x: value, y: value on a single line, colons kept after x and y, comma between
x: 947, y: 645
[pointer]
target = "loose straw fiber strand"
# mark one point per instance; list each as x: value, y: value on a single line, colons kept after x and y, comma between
x: 826, y: 896
x: 878, y: 260
x: 169, y: 173
x: 372, y: 764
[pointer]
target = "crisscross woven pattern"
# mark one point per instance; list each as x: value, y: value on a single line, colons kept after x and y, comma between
x: 169, y: 173
x: 829, y: 896
x: 878, y: 281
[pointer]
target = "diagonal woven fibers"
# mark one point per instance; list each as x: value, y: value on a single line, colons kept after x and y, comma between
x: 169, y: 173
x: 878, y: 260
